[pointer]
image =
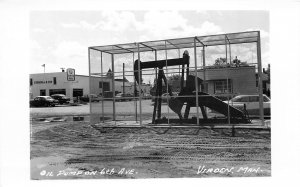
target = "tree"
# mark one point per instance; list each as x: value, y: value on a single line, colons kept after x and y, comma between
x: 236, y: 62
x: 220, y: 61
x: 174, y: 77
x: 268, y: 72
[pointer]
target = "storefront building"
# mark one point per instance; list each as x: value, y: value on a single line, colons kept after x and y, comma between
x: 47, y: 84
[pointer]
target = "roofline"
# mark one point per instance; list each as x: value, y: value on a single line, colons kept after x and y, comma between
x: 221, y: 68
x: 66, y: 72
x: 250, y: 94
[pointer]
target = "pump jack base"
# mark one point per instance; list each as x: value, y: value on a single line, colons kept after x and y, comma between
x: 201, y: 121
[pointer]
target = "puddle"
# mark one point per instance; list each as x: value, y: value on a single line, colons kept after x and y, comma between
x: 62, y: 119
x: 67, y: 119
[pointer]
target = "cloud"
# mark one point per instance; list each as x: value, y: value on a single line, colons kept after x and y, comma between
x: 118, y: 21
x: 209, y: 28
x: 110, y: 21
x: 265, y: 45
x: 38, y: 55
x: 263, y: 33
x: 70, y: 54
x: 155, y: 25
x: 265, y: 59
x: 81, y: 25
x: 170, y: 24
x: 69, y: 49
x: 162, y: 23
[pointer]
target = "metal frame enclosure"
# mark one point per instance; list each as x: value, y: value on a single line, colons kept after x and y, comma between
x: 195, y: 42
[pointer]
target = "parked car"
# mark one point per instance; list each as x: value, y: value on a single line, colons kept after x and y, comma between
x: 124, y: 97
x: 44, y: 101
x: 62, y: 99
x: 94, y: 98
x: 252, y: 103
x: 147, y: 96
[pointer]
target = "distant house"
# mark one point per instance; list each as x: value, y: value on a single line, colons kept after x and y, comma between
x: 119, y: 86
x: 266, y: 82
x: 231, y: 80
x: 128, y: 86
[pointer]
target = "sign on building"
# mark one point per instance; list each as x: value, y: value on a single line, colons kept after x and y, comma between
x: 70, y: 74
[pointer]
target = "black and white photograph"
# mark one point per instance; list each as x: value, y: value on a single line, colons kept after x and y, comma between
x: 193, y: 106
x: 167, y: 93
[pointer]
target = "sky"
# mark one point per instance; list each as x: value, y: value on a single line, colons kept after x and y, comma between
x: 60, y: 39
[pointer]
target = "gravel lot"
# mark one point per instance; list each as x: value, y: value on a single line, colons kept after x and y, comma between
x: 67, y: 149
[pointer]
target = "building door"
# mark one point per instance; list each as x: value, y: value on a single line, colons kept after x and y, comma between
x: 42, y: 92
x: 105, y: 86
x: 77, y: 92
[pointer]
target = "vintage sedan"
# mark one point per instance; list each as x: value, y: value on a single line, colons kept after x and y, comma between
x: 251, y: 102
x: 93, y: 97
x: 43, y: 101
x: 124, y: 97
x: 62, y: 99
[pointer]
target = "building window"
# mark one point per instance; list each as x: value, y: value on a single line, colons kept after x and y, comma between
x: 222, y: 87
x: 54, y: 80
x: 42, y: 92
x: 104, y: 86
x: 57, y: 91
x: 31, y: 82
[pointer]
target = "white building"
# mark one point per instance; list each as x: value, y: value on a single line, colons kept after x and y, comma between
x: 57, y: 83
x: 241, y: 80
x: 42, y: 84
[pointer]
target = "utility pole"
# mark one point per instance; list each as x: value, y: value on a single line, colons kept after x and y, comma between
x: 123, y: 78
x: 44, y: 65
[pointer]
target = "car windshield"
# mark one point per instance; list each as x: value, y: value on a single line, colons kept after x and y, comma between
x: 48, y: 97
x: 240, y: 99
x: 236, y: 99
x: 252, y: 98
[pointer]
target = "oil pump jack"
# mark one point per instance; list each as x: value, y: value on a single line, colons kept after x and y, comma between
x: 187, y: 94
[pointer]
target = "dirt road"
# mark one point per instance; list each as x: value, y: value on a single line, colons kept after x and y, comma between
x: 69, y: 149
